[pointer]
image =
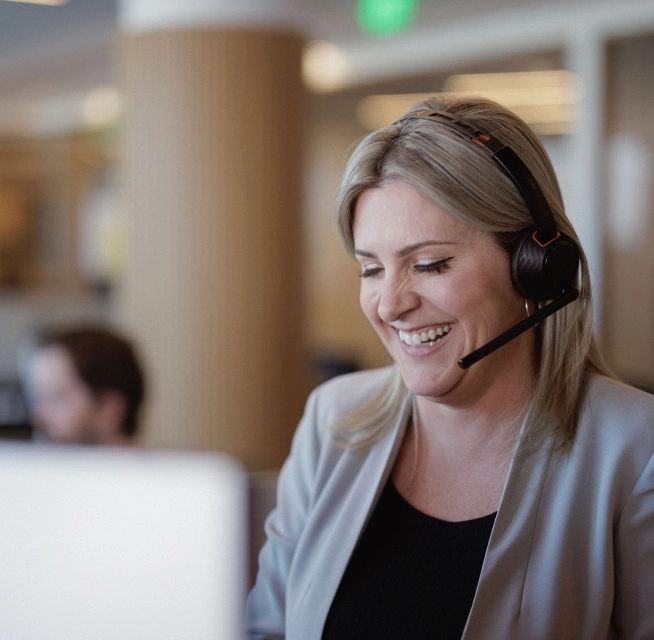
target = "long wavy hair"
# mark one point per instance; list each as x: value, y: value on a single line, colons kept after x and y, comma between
x: 463, y: 180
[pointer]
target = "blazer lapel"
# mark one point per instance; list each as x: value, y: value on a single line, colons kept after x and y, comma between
x: 497, y: 603
x: 346, y: 509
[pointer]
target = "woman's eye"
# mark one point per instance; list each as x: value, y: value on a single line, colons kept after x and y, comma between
x: 369, y: 272
x: 436, y: 266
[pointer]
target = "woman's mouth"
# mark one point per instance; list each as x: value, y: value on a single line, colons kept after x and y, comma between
x: 425, y: 338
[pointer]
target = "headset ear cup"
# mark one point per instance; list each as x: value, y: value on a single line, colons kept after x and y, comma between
x: 517, y: 261
x: 543, y: 272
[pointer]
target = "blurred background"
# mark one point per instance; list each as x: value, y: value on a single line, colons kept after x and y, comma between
x: 168, y: 168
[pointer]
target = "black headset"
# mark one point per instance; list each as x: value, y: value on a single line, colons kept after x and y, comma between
x: 544, y: 261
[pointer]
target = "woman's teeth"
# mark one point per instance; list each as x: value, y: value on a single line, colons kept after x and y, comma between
x: 425, y: 338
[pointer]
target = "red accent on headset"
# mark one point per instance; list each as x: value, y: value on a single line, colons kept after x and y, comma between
x: 539, y: 243
x: 484, y: 137
x: 479, y: 144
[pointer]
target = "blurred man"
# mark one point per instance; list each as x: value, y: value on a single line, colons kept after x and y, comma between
x: 85, y: 387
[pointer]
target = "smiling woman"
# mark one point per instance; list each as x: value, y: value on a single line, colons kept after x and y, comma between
x: 425, y: 271
x: 508, y: 495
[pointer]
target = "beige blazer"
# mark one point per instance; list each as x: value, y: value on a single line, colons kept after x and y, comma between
x: 571, y: 554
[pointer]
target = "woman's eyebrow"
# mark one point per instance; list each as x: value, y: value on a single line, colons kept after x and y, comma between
x: 365, y: 254
x: 405, y: 251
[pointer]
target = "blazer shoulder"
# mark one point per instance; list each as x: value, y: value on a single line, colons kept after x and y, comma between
x: 327, y: 402
x: 342, y: 394
x: 617, y: 399
x: 618, y: 417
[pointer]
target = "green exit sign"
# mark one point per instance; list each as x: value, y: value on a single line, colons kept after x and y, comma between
x: 385, y: 17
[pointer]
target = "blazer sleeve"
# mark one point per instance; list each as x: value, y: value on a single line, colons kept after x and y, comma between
x: 265, y: 610
x: 633, y: 614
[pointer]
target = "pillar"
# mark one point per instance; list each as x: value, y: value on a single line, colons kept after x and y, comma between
x: 211, y: 166
x: 586, y: 56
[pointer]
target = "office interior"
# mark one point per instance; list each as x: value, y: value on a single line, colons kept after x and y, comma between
x: 170, y: 170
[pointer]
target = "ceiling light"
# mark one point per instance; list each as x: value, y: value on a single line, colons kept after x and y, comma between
x: 510, y: 80
x: 547, y: 100
x: 49, y: 2
x: 325, y: 67
x: 376, y: 112
x: 101, y: 107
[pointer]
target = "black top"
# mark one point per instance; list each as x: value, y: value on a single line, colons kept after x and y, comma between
x: 410, y: 576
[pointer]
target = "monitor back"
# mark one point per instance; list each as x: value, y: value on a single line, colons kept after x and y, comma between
x: 121, y: 544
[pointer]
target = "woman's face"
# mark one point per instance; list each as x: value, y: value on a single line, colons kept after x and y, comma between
x: 435, y: 289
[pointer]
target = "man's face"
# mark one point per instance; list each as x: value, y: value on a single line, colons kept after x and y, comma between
x: 63, y: 407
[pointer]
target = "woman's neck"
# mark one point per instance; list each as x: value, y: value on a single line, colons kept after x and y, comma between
x: 487, y: 421
x: 454, y: 460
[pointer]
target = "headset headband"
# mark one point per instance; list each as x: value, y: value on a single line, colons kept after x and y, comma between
x: 509, y: 163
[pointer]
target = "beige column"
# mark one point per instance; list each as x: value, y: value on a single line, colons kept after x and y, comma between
x: 211, y: 174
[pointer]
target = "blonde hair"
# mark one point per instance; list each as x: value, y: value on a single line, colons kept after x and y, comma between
x: 464, y: 181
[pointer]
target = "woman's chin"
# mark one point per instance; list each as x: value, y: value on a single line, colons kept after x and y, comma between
x: 430, y: 385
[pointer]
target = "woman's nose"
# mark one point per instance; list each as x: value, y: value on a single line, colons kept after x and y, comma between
x: 397, y: 299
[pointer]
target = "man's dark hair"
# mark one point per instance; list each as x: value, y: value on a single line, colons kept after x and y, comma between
x: 104, y: 361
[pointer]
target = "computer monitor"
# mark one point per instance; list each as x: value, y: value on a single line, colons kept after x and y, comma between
x: 121, y: 544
